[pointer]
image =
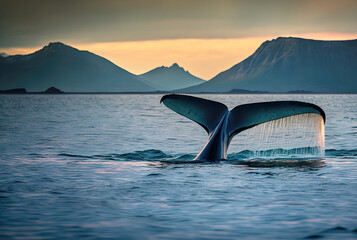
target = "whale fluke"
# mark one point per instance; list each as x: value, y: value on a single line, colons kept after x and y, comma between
x: 222, y: 125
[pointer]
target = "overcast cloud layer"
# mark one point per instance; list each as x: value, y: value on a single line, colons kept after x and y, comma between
x: 26, y: 23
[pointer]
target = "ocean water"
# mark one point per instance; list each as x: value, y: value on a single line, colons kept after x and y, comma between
x: 98, y: 167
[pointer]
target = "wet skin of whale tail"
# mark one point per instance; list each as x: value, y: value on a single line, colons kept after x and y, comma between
x: 222, y: 124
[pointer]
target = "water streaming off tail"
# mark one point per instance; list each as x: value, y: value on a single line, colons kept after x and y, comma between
x: 295, y: 136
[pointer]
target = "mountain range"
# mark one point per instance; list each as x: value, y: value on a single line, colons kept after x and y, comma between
x: 72, y: 70
x: 291, y: 64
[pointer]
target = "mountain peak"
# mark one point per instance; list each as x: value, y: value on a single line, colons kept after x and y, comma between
x: 288, y: 38
x: 280, y: 40
x: 56, y: 45
x: 175, y: 65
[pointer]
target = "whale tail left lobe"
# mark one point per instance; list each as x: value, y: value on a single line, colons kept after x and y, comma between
x: 205, y: 112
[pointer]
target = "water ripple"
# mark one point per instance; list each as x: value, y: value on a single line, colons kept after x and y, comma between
x: 241, y: 158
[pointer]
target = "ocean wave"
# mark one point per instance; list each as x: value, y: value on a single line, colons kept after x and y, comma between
x: 341, y: 152
x: 243, y: 157
x: 145, y: 155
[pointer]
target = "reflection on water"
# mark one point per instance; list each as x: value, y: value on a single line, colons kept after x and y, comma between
x: 286, y: 163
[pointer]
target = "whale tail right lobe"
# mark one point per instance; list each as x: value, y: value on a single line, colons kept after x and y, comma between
x: 247, y: 116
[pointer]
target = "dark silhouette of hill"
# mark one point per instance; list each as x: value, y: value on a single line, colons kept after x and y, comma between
x: 292, y: 64
x: 170, y: 78
x: 69, y: 69
x: 53, y: 90
x: 14, y: 91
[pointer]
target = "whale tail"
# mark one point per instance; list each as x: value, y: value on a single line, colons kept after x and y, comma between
x: 215, y: 117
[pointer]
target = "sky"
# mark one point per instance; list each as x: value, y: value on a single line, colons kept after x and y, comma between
x: 205, y: 37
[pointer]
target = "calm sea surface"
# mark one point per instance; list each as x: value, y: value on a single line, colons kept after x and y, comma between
x: 93, y: 166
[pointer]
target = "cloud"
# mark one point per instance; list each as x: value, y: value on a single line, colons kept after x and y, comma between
x: 36, y: 22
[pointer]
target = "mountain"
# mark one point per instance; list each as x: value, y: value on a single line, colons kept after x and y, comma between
x: 68, y: 69
x: 292, y: 64
x: 170, y: 78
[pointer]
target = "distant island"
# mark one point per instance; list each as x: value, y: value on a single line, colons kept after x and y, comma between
x: 282, y: 65
x: 14, y: 91
x: 51, y: 90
